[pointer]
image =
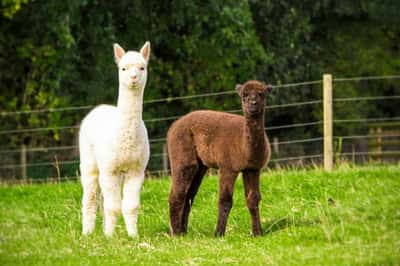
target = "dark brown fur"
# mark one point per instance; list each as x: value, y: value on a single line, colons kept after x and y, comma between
x: 232, y: 143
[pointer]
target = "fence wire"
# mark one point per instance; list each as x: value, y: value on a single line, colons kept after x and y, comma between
x: 374, y: 119
x: 366, y: 78
x: 162, y: 140
x: 167, y: 99
x: 368, y: 98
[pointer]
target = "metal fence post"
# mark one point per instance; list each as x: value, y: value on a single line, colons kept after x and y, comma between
x: 328, y: 142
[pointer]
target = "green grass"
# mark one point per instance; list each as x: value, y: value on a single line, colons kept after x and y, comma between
x: 309, y: 217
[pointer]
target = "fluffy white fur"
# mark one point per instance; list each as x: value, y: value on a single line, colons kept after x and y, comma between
x: 114, y: 147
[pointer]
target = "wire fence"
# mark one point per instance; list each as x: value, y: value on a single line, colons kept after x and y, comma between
x: 60, y: 161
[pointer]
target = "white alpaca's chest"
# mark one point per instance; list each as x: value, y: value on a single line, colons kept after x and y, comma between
x: 130, y: 147
x: 119, y: 143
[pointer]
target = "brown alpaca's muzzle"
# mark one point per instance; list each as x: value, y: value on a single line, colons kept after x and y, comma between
x: 253, y: 110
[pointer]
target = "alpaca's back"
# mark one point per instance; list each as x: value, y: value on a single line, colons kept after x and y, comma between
x: 99, y: 124
x: 96, y: 133
x: 206, y: 124
x: 213, y: 137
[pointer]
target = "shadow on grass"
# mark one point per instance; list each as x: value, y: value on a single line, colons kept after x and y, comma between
x: 270, y: 226
x: 286, y: 222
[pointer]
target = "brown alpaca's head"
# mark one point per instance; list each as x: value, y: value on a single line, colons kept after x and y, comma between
x: 253, y: 94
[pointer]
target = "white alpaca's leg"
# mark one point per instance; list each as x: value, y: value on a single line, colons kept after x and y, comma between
x: 131, y: 200
x: 111, y: 188
x: 89, y: 180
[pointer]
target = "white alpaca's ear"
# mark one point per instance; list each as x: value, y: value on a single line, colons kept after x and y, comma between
x: 118, y: 52
x: 145, y: 51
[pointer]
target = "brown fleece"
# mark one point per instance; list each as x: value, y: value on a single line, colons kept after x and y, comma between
x: 231, y: 143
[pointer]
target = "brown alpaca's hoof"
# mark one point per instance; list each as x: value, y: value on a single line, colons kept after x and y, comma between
x: 176, y: 232
x: 257, y: 231
x: 256, y: 234
x: 219, y: 234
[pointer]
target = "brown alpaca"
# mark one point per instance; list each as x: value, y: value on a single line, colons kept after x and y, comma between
x: 232, y: 143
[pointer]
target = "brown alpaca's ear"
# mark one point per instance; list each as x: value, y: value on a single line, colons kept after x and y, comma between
x: 268, y: 88
x: 118, y: 52
x: 238, y: 88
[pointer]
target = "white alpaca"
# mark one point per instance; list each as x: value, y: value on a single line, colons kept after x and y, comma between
x: 114, y: 147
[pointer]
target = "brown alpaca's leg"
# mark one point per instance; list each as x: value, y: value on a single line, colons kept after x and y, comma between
x: 194, y: 187
x: 251, y: 180
x: 226, y: 186
x: 182, y: 179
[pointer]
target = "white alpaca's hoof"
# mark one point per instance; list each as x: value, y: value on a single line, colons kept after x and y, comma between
x: 133, y: 234
x: 108, y: 234
x: 87, y: 231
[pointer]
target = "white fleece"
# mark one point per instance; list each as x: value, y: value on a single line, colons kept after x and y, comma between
x: 114, y: 148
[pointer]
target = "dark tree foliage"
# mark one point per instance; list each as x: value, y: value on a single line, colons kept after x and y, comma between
x: 59, y: 54
x: 345, y: 38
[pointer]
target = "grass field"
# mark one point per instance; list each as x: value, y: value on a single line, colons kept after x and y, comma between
x: 309, y: 217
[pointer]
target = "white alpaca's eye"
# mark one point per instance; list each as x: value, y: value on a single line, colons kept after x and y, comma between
x: 123, y: 69
x: 142, y: 68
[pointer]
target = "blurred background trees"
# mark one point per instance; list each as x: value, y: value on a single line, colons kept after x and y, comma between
x: 59, y: 53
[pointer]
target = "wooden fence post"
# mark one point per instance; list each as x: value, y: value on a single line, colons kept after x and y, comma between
x: 275, y: 144
x: 23, y: 162
x: 328, y: 142
x: 165, y: 159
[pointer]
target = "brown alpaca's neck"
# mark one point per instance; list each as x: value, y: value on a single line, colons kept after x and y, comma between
x: 254, y: 137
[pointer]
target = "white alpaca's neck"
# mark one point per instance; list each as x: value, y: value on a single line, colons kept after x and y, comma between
x: 130, y: 103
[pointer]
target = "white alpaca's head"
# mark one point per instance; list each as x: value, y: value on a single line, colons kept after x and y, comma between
x: 132, y: 66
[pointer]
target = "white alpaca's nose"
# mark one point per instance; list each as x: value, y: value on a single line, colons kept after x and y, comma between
x: 133, y: 75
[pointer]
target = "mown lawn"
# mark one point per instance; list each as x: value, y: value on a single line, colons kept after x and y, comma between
x: 309, y: 217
